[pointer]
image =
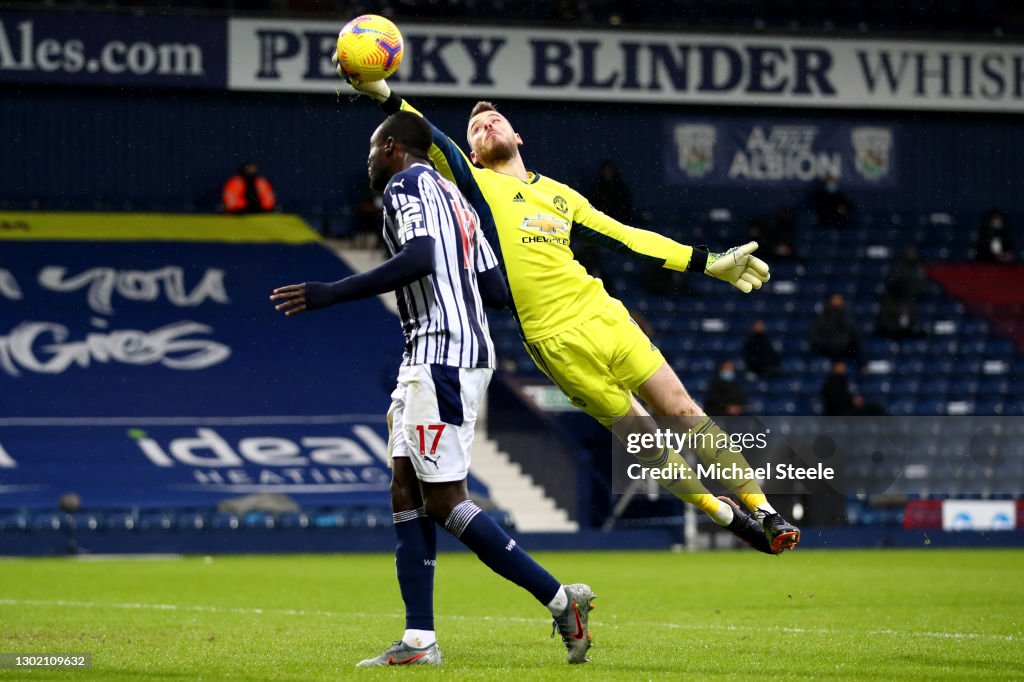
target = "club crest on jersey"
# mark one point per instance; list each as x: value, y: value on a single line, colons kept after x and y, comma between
x: 561, y: 204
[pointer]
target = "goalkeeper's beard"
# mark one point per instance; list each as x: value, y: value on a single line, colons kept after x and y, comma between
x: 498, y: 151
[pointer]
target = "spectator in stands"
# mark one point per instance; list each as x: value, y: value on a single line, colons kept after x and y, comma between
x: 836, y: 399
x: 589, y: 256
x: 725, y: 397
x: 611, y: 195
x: 831, y: 204
x: 862, y: 408
x: 569, y: 12
x: 759, y: 353
x: 907, y: 279
x: 834, y: 334
x: 904, y: 285
x: 776, y: 234
x: 366, y: 220
x: 248, y: 191
x: 995, y: 243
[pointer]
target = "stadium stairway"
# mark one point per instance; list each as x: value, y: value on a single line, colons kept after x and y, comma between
x: 514, y: 491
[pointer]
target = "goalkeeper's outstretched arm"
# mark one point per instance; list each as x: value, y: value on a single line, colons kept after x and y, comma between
x: 446, y: 156
x: 737, y: 266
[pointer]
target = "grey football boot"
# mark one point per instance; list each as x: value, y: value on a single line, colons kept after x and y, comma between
x: 401, y: 653
x: 572, y: 624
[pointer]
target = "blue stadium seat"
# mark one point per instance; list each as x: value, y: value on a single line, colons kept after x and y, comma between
x: 503, y: 519
x: 999, y: 347
x: 930, y: 406
x: 293, y: 520
x: 879, y: 348
x: 875, y: 385
x: 903, y: 407
x: 225, y: 521
x: 794, y: 364
x: 936, y: 366
x: 259, y: 520
x: 86, y: 520
x: 993, y: 386
x: 964, y: 386
x: 989, y: 406
x: 119, y: 520
x: 905, y: 386
x: 369, y: 518
x: 332, y: 518
x: 15, y: 521
x: 46, y: 521
x: 780, y: 408
x: 934, y: 387
x: 192, y: 520
x: 157, y: 520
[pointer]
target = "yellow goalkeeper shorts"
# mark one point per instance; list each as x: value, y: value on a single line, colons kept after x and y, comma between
x: 600, y: 363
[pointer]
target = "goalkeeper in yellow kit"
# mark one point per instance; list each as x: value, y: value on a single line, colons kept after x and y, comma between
x: 576, y: 333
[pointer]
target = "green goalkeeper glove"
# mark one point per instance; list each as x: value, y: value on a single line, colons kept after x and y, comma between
x: 378, y: 90
x: 738, y: 267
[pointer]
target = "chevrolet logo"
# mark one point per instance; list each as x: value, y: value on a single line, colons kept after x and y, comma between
x: 546, y: 224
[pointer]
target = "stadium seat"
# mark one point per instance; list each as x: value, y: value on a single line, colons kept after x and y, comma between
x: 157, y: 520
x: 119, y: 520
x: 225, y: 521
x: 46, y: 521
x: 86, y: 521
x: 191, y: 520
x: 14, y: 521
x: 331, y: 518
x: 259, y: 520
x: 370, y: 518
x: 293, y: 520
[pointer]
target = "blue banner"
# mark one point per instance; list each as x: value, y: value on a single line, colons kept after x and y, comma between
x: 196, y: 462
x: 152, y: 373
x: 113, y: 49
x: 775, y: 152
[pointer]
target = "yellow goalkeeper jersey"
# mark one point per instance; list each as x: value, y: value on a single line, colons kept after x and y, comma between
x: 531, y: 224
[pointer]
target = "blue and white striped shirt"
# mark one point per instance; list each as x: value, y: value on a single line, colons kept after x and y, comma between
x: 442, y: 314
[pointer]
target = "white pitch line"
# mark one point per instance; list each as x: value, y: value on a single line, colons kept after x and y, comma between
x: 614, y: 624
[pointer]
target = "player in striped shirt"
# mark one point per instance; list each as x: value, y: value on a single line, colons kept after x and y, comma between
x: 443, y: 272
x: 577, y: 334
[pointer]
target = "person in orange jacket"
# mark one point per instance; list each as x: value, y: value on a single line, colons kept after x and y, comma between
x: 248, y: 191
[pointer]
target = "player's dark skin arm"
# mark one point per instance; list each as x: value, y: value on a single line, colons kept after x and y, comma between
x: 413, y: 262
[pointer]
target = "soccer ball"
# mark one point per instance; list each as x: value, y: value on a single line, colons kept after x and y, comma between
x: 370, y: 48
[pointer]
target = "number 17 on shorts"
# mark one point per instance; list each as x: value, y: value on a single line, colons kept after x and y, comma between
x: 433, y: 417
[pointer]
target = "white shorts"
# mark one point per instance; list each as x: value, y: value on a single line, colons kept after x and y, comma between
x: 432, y: 419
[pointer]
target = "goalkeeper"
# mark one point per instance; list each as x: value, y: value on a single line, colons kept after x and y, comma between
x: 578, y: 335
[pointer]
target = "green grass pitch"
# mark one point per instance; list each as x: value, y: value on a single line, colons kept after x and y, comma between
x: 850, y: 615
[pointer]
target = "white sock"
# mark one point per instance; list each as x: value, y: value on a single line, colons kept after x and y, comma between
x: 764, y: 510
x: 418, y: 639
x: 560, y: 601
x: 724, y: 515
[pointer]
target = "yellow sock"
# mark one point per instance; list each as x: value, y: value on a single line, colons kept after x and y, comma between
x: 708, y: 436
x: 687, y: 487
x: 753, y: 501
